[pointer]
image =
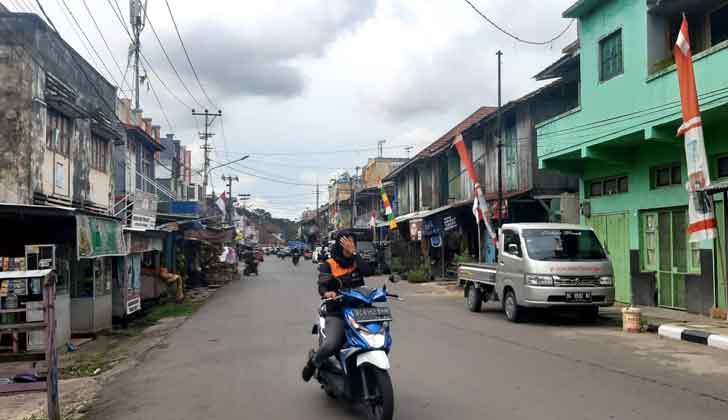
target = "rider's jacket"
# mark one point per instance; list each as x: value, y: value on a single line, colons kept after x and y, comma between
x: 333, y: 277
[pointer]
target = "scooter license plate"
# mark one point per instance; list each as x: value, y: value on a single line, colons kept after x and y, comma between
x: 578, y: 297
x: 373, y: 314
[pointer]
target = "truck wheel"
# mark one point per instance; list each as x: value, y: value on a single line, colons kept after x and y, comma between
x: 514, y: 313
x: 474, y: 298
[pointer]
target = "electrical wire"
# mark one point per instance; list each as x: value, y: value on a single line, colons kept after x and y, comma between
x: 164, y: 113
x: 237, y: 169
x: 171, y: 64
x: 144, y: 59
x: 189, y: 61
x: 89, y: 56
x: 108, y: 48
x: 517, y: 38
x: 103, y: 63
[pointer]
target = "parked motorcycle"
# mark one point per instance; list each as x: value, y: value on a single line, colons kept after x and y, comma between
x: 361, y: 372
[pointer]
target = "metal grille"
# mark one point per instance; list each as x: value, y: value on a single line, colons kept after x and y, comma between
x: 576, y: 281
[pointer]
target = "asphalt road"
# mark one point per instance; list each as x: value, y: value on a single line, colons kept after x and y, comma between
x: 240, y: 357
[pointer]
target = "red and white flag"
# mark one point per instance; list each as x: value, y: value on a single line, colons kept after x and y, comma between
x: 221, y: 203
x: 702, y: 223
x: 477, y: 189
x: 476, y: 211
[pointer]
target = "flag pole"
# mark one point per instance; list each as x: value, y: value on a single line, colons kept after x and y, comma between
x: 480, y: 246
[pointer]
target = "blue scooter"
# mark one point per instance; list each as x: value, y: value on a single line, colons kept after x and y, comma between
x: 361, y: 371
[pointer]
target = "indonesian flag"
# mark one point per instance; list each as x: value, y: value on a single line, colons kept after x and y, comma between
x: 221, y: 203
x: 702, y: 224
x: 477, y: 189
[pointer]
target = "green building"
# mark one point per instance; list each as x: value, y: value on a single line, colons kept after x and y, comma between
x: 622, y: 143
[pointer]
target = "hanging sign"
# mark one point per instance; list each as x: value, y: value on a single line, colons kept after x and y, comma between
x: 98, y: 237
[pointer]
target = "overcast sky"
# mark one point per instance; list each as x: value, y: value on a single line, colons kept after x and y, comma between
x: 300, y: 79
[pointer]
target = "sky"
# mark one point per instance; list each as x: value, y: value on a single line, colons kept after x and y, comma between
x: 308, y: 87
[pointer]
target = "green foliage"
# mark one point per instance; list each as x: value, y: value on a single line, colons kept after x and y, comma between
x: 172, y: 309
x: 396, y: 265
x: 421, y: 274
x: 464, y: 258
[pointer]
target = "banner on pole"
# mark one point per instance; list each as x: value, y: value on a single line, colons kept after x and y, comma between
x: 477, y: 189
x: 702, y: 224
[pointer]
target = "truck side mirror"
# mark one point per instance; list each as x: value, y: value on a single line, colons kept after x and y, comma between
x: 513, y: 249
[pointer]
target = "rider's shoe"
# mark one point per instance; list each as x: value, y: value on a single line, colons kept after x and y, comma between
x: 310, y: 367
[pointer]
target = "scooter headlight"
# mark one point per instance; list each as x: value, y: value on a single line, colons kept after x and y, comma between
x: 373, y: 340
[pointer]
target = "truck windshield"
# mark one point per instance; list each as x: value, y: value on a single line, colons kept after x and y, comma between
x: 562, y: 244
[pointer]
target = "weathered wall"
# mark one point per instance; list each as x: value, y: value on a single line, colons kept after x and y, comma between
x: 21, y: 145
x: 28, y: 51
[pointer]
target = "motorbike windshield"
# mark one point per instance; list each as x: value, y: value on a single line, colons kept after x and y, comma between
x: 563, y: 245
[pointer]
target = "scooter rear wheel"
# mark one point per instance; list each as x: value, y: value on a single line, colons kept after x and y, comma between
x: 381, y: 407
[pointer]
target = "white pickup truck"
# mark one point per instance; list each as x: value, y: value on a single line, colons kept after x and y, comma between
x: 542, y: 265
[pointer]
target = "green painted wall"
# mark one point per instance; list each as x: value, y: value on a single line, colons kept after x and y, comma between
x: 635, y: 92
x: 605, y: 137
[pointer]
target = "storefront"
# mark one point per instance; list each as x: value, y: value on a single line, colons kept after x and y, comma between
x: 99, y: 240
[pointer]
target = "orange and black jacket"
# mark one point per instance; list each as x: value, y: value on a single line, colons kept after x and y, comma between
x: 332, y: 277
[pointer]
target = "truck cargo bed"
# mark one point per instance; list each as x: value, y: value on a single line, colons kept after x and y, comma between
x: 478, y: 273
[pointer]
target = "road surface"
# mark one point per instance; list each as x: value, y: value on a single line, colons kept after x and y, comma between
x: 240, y: 357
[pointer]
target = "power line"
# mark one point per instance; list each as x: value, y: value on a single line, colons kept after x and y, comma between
x: 238, y: 169
x: 169, y: 60
x: 629, y: 116
x: 103, y: 63
x: 89, y: 56
x: 161, y: 108
x: 108, y: 48
x: 517, y: 38
x: 176, y: 29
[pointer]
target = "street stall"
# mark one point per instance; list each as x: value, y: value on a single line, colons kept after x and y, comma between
x: 99, y: 239
x: 211, y: 243
x: 26, y: 226
x: 29, y: 297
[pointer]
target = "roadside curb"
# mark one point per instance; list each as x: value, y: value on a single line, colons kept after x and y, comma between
x: 676, y: 332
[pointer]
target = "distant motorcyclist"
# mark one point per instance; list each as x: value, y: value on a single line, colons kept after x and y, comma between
x: 295, y: 255
x: 345, y: 269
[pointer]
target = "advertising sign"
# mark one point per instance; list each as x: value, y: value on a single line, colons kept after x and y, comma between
x: 144, y: 212
x: 415, y: 227
x: 98, y: 237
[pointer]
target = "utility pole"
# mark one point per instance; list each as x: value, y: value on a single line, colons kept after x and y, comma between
x: 137, y: 13
x: 243, y: 198
x: 408, y: 148
x: 380, y: 146
x: 353, y: 195
x: 206, y: 148
x: 318, y: 225
x: 499, y: 130
x: 229, y: 205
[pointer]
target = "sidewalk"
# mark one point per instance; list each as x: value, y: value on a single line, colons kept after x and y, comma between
x: 677, y: 325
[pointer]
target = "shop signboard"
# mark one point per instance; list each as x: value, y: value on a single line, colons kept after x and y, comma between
x: 98, y: 237
x: 415, y: 227
x: 449, y: 223
x: 144, y: 212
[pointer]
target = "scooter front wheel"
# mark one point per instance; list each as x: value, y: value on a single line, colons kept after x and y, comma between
x: 381, y: 406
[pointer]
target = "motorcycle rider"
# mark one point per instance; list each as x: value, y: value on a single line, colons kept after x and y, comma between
x: 345, y: 269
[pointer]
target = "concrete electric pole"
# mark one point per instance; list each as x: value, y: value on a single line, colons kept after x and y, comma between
x: 206, y: 148
x: 137, y: 17
x: 229, y: 205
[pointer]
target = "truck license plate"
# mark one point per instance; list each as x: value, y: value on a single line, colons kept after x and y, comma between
x: 578, y: 297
